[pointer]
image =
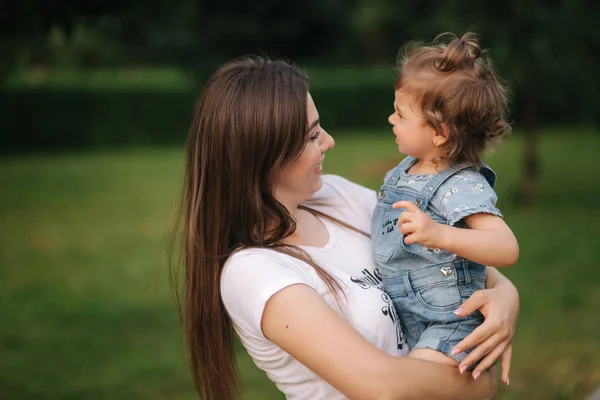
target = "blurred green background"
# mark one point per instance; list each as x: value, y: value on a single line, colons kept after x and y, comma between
x: 95, y: 101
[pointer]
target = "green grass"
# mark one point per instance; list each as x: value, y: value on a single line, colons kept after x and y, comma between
x: 86, y: 311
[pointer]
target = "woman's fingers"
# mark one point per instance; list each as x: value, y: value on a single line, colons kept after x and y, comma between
x: 481, y: 334
x: 479, y: 352
x: 473, y: 303
x: 490, y: 358
x: 506, y: 359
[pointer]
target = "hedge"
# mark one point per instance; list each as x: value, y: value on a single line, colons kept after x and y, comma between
x: 46, y: 119
x: 41, y: 119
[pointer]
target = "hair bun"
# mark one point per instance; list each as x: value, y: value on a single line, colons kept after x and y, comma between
x: 460, y: 52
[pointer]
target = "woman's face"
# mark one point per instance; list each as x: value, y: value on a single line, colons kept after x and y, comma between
x: 301, y: 179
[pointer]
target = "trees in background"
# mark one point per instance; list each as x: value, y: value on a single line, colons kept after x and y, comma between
x: 547, y: 49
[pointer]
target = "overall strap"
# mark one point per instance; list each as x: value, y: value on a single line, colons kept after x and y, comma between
x: 435, y: 182
x: 488, y: 174
x: 393, y: 177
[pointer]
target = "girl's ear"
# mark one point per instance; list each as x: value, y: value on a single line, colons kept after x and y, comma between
x: 441, y: 135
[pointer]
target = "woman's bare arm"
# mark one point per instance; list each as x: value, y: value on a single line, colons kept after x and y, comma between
x: 298, y: 320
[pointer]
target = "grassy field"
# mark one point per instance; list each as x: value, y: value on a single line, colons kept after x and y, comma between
x: 86, y: 311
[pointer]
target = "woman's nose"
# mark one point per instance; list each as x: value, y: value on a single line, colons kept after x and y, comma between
x: 328, y: 143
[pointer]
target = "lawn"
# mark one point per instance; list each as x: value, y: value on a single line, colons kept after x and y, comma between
x: 85, y: 304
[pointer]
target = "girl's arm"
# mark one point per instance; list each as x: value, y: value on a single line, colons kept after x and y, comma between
x: 499, y: 303
x: 489, y: 241
x: 298, y: 320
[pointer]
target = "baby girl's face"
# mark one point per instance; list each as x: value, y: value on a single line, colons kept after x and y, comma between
x: 414, y: 136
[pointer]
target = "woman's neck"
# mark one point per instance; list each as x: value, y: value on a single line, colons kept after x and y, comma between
x: 310, y: 230
x: 293, y: 208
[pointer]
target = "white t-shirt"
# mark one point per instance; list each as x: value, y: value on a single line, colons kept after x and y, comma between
x: 250, y: 277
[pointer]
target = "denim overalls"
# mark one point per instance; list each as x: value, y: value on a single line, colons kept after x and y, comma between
x: 426, y: 285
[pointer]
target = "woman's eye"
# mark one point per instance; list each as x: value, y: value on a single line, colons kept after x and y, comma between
x: 315, y: 136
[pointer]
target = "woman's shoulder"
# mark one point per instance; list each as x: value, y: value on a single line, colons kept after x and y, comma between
x: 335, y: 186
x: 346, y: 200
x: 255, y: 258
x: 251, y: 276
x: 263, y: 267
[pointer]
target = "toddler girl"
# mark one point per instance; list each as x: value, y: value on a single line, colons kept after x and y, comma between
x: 436, y: 223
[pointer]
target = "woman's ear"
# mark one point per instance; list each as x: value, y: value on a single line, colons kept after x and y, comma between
x: 441, y: 135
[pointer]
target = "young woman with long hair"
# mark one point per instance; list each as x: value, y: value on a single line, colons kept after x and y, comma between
x: 278, y: 253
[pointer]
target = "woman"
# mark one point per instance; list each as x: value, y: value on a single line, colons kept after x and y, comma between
x: 276, y: 251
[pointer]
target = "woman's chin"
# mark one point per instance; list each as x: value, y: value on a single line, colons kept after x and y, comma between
x: 318, y: 184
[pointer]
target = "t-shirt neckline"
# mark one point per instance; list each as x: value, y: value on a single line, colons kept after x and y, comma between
x: 332, y: 236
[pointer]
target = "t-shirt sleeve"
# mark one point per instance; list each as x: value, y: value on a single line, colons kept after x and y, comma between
x: 464, y: 194
x: 365, y: 198
x: 250, y: 278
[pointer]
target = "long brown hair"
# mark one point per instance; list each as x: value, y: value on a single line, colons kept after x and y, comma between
x: 249, y: 122
x: 454, y: 82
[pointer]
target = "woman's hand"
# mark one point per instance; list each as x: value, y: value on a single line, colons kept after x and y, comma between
x: 493, y: 339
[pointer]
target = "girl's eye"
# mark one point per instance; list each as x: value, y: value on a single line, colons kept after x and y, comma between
x: 399, y: 115
x: 314, y: 137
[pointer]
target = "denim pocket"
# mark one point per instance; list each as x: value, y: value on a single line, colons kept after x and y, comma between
x: 439, y: 297
x: 476, y: 278
x: 384, y: 232
x: 386, y: 237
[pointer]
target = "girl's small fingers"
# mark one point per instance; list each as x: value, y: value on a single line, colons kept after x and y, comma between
x: 506, y: 359
x: 479, y: 352
x: 405, y: 217
x: 408, y: 205
x: 410, y: 238
x: 407, y: 228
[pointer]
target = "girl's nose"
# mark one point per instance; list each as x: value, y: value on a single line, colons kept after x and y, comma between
x: 391, y: 118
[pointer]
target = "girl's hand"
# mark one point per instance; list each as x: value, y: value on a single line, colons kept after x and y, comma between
x: 418, y: 226
x: 493, y: 338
